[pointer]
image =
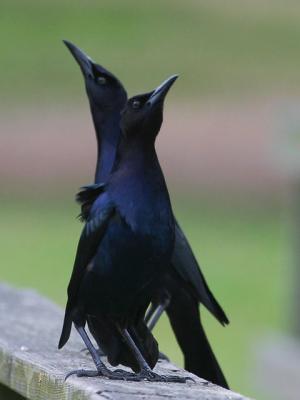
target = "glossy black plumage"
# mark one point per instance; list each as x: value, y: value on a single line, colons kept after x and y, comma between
x: 185, y: 285
x: 125, y: 247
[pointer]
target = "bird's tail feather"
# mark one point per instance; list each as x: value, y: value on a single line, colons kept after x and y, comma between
x: 66, y: 330
x: 199, y: 358
x: 186, y: 265
x: 213, y: 306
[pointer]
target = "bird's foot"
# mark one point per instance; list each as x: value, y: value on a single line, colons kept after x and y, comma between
x: 82, y: 372
x: 146, y: 375
x: 104, y: 372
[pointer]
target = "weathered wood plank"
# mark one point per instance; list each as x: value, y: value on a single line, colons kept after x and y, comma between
x: 31, y: 365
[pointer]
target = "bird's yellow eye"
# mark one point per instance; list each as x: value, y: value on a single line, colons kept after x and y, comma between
x: 136, y: 104
x: 101, y: 80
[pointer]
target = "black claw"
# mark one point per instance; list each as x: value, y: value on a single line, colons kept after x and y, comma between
x: 118, y: 374
x: 178, y: 379
x: 153, y: 377
x: 89, y: 374
x: 81, y: 373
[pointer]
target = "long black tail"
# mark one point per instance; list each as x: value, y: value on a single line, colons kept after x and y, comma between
x: 185, y: 320
x: 186, y: 266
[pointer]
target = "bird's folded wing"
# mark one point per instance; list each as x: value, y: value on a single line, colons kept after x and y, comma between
x: 89, y: 241
x: 86, y: 197
x: 188, y: 268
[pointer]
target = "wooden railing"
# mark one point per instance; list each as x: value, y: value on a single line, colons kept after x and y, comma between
x: 32, y: 367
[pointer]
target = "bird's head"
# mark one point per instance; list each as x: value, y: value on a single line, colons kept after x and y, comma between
x: 143, y: 114
x: 104, y: 90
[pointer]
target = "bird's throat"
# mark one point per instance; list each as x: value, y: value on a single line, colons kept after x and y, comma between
x: 107, y: 127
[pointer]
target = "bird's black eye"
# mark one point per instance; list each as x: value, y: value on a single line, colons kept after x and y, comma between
x: 136, y: 104
x: 101, y: 80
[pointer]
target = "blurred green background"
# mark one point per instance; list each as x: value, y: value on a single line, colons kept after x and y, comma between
x: 226, y: 52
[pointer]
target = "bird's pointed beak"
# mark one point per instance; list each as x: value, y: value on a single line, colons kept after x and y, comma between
x: 159, y: 94
x: 84, y: 61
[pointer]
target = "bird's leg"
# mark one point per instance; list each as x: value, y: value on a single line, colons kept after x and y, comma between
x: 157, y: 312
x: 99, y: 351
x: 150, y: 312
x: 153, y: 315
x: 146, y: 372
x: 102, y: 370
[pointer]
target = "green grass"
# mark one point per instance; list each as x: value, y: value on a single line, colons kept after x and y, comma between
x: 242, y: 254
x: 217, y: 47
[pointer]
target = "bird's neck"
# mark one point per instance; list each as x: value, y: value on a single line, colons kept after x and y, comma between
x: 138, y: 189
x: 107, y: 127
x: 137, y: 153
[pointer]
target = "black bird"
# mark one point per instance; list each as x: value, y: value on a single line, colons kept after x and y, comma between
x: 125, y: 248
x: 184, y: 286
x: 107, y: 98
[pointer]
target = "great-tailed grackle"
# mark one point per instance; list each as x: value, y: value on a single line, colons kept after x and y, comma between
x: 185, y: 286
x: 125, y: 248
